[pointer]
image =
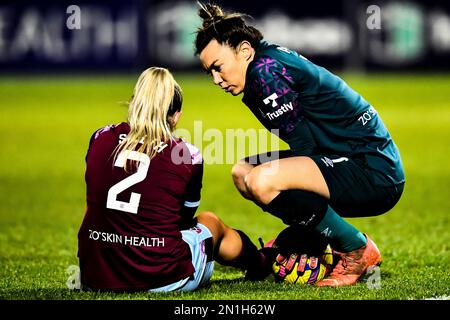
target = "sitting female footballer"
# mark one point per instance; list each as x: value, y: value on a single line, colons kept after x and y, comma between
x: 342, y: 160
x: 143, y: 188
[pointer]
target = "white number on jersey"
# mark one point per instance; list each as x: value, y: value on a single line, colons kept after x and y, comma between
x: 141, y: 173
x: 284, y: 49
x: 291, y: 52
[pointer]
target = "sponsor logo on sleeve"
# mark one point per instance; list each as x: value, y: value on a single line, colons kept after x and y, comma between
x: 272, y: 98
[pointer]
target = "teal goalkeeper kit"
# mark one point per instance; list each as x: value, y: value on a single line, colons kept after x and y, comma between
x: 317, y: 113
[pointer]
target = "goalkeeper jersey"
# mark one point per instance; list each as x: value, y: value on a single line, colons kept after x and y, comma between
x: 317, y: 113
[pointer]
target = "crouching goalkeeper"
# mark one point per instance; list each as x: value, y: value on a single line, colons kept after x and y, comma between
x: 342, y: 160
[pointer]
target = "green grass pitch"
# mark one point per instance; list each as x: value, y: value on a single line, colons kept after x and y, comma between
x: 45, y: 124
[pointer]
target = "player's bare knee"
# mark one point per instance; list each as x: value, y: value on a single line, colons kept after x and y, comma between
x: 211, y: 220
x: 207, y: 215
x: 258, y: 185
x: 238, y: 172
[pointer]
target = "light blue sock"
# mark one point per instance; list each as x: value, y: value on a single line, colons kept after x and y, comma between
x: 341, y: 235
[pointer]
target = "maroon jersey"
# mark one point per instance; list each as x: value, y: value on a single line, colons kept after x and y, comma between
x: 130, y: 237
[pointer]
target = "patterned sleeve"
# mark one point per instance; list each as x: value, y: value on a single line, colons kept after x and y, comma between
x: 276, y: 94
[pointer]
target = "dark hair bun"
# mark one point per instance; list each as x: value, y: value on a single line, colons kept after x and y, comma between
x: 227, y: 28
x: 210, y: 13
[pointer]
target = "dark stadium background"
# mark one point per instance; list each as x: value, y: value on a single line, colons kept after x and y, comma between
x: 130, y: 35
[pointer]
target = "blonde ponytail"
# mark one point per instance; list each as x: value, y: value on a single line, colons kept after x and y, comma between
x: 154, y: 96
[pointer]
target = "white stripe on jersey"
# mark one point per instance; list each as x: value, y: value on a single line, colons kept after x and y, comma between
x: 192, y: 204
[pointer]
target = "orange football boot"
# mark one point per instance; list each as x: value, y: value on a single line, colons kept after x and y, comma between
x: 352, y: 265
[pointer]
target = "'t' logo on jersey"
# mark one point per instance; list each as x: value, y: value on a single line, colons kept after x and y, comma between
x: 272, y: 98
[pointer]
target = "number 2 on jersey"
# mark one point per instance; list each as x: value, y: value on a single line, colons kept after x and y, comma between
x: 141, y: 173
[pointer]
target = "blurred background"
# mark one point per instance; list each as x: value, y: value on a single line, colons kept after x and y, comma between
x: 122, y: 36
x: 68, y: 68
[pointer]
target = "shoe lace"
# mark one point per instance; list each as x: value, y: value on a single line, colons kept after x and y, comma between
x: 341, y: 266
x: 346, y: 262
